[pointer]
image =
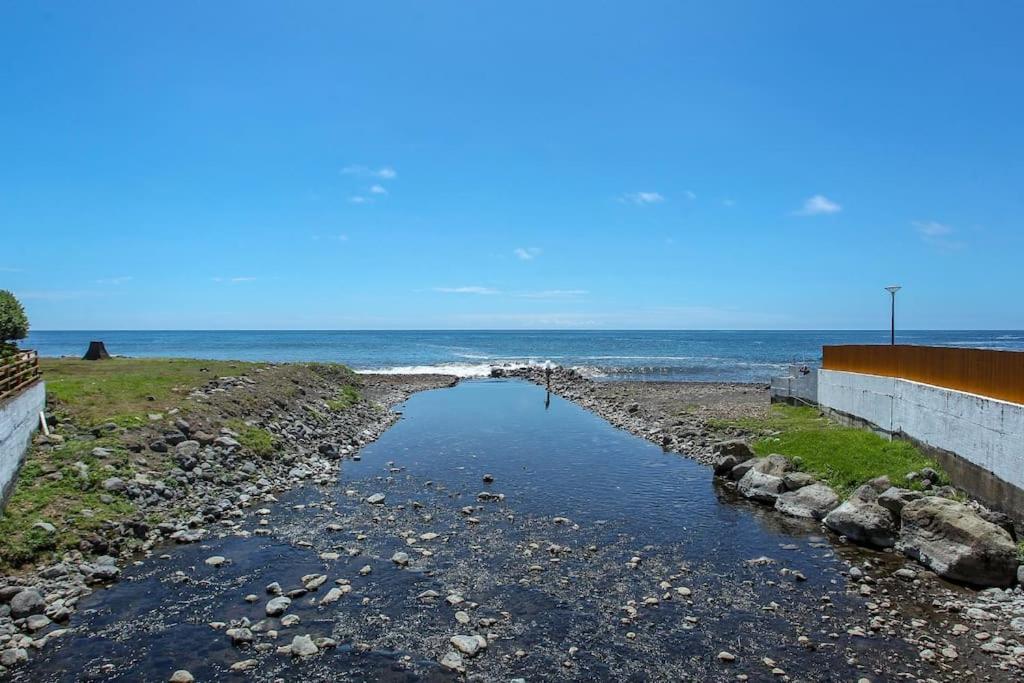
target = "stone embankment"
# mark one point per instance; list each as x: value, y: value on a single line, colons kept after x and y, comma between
x: 189, y: 460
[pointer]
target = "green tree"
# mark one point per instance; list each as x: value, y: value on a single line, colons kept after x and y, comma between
x: 13, y: 321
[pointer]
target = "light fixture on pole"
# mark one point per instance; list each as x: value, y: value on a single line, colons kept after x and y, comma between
x: 892, y: 316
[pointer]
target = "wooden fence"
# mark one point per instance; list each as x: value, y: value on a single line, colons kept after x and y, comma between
x: 18, y: 372
x: 997, y: 374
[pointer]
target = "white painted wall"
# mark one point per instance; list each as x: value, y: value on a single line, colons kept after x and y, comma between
x: 19, y: 419
x: 984, y: 431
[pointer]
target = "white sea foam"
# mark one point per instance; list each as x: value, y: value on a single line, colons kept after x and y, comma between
x: 466, y: 370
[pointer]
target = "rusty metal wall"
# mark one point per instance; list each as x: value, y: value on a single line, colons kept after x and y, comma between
x: 996, y: 374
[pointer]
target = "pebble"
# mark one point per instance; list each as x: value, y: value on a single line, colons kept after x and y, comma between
x: 215, y: 561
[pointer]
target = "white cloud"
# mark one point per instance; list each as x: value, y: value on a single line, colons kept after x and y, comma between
x: 642, y: 198
x: 378, y: 189
x: 359, y: 199
x: 235, y: 280
x: 553, y: 294
x: 937, y: 234
x: 819, y: 205
x: 120, y: 280
x: 341, y: 237
x: 384, y: 172
x: 690, y: 194
x: 526, y: 253
x: 471, y: 289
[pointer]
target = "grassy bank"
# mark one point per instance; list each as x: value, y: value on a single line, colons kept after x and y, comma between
x: 843, y: 457
x: 60, y: 482
x: 126, y: 390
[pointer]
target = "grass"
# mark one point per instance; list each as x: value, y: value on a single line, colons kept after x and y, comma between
x: 842, y: 457
x: 125, y: 390
x: 259, y: 441
x: 54, y: 490
x: 347, y: 397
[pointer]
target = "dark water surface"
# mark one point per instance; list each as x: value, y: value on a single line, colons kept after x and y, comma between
x: 696, y: 355
x: 623, y: 497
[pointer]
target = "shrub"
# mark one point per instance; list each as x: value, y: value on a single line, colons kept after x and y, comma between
x: 13, y: 321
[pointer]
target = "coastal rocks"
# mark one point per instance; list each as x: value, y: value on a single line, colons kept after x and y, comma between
x: 955, y: 543
x: 811, y: 502
x: 763, y: 481
x: 894, y: 499
x: 469, y: 645
x: 375, y: 499
x: 182, y: 676
x: 728, y: 454
x: 303, y: 646
x: 862, y: 520
x: 763, y: 488
x: 26, y: 603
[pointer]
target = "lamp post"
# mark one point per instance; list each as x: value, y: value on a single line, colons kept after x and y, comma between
x: 892, y: 316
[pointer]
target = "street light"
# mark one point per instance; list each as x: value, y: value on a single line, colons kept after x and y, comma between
x: 892, y: 324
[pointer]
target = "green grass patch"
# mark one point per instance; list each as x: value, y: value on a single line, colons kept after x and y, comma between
x: 842, y: 457
x: 125, y: 390
x: 347, y: 397
x: 258, y: 441
x: 52, y: 487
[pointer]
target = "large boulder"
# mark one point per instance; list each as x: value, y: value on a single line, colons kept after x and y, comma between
x: 764, y: 488
x: 729, y: 454
x: 811, y: 502
x: 894, y: 499
x: 26, y: 603
x: 953, y: 541
x: 862, y: 520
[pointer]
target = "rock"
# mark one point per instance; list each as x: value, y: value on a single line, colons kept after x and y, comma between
x: 215, y: 561
x: 239, y: 636
x: 797, y: 480
x: 245, y: 665
x: 114, y: 484
x: 187, y: 449
x: 333, y: 595
x: 957, y: 544
x: 375, y: 499
x: 737, y: 448
x: 182, y: 676
x: 37, y: 622
x: 401, y: 559
x: 26, y: 603
x: 278, y: 606
x: 862, y: 520
x: 764, y: 488
x: 774, y: 464
x: 726, y: 656
x: 1020, y: 574
x: 274, y: 588
x: 13, y: 656
x: 811, y: 502
x: 303, y: 646
x: 894, y: 498
x: 453, y: 662
x: 467, y: 645
x: 488, y: 478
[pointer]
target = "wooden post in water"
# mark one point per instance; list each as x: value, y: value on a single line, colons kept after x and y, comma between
x: 97, y: 351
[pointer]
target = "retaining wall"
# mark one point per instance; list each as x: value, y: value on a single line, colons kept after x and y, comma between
x: 979, y: 440
x: 796, y: 388
x: 19, y: 419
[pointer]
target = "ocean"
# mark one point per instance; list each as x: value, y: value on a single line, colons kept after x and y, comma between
x: 740, y: 356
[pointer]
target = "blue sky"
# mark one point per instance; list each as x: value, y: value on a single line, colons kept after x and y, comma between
x: 329, y: 165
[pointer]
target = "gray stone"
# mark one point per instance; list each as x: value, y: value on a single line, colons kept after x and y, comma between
x: 467, y: 645
x: 401, y: 559
x: 13, y: 656
x: 303, y: 646
x: 114, y: 484
x: 957, y: 544
x: 894, y: 498
x: 797, y: 480
x: 811, y: 502
x: 182, y: 676
x: 26, y: 603
x: 453, y: 661
x: 187, y: 449
x: 375, y: 499
x: 862, y: 520
x: 729, y: 454
x: 37, y: 622
x: 764, y: 488
x: 277, y: 606
x: 46, y: 527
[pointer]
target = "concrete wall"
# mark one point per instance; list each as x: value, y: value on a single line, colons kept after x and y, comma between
x: 19, y: 419
x: 796, y: 388
x: 979, y: 440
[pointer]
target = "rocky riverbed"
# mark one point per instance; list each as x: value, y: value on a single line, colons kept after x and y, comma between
x: 491, y: 535
x: 186, y: 475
